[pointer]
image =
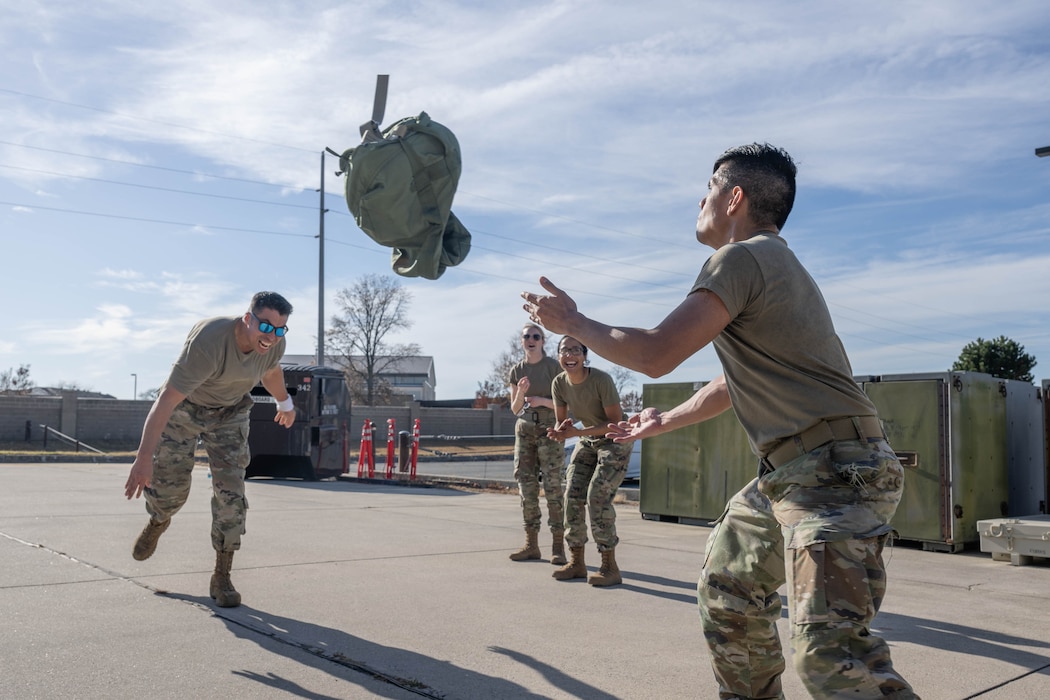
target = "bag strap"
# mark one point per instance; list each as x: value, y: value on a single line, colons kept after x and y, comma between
x: 370, y: 129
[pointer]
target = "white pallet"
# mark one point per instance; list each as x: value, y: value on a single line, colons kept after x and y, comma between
x: 1017, y: 540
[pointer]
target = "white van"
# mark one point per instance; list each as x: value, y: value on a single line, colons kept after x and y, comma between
x: 634, y: 466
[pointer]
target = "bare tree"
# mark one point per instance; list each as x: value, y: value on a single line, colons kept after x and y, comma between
x: 66, y: 385
x: 624, y: 378
x: 16, y: 381
x: 372, y: 308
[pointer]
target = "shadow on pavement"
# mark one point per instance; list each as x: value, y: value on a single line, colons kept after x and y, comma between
x: 385, y: 486
x: 555, y: 677
x: 332, y: 648
x: 961, y: 639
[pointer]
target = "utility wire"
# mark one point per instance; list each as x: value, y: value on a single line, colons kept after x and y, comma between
x: 161, y: 189
x: 155, y: 121
x: 141, y: 219
x: 268, y: 184
x: 194, y: 173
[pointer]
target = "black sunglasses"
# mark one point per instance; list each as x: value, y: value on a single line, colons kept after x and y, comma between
x: 534, y: 336
x: 266, y: 327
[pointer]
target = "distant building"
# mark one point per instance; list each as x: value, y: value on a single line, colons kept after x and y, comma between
x: 57, y: 391
x: 414, y: 376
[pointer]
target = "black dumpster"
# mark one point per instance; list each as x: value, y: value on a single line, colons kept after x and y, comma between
x: 315, y: 447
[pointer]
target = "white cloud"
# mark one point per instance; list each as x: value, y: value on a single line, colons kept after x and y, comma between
x: 587, y: 129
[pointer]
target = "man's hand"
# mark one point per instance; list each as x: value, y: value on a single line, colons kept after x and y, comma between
x: 140, y: 477
x: 642, y: 425
x: 285, y: 418
x: 555, y: 312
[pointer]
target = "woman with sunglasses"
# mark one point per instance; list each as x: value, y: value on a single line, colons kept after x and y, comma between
x: 598, y: 464
x: 536, y: 456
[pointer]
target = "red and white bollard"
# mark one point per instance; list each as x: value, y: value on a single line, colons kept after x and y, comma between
x: 415, y: 448
x: 346, y: 449
x: 366, y: 456
x: 390, y: 448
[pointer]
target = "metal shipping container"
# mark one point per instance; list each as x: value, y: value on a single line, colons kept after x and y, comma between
x: 690, y: 473
x: 315, y: 447
x: 1046, y: 442
x: 1025, y: 448
x: 950, y: 431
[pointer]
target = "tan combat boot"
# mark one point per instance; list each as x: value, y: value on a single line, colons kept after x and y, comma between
x: 608, y: 574
x: 558, y: 547
x: 222, y: 590
x: 531, y: 550
x: 146, y: 544
x: 575, y: 568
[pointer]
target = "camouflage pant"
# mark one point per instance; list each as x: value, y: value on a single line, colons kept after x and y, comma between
x: 224, y: 434
x: 829, y: 511
x: 596, y: 471
x: 536, y: 456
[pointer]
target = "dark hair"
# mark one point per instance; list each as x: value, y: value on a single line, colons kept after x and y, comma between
x: 271, y: 300
x: 573, y: 338
x: 766, y: 174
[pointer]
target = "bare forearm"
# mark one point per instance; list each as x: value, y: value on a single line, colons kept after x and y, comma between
x: 156, y: 420
x: 656, y: 351
x: 708, y: 402
x: 273, y: 380
x: 517, y: 399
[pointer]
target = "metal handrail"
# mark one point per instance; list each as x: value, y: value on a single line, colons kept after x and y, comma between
x: 77, y: 443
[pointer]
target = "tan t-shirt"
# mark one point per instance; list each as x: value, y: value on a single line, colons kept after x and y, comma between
x: 785, y: 367
x: 212, y: 371
x: 540, y: 375
x: 588, y: 399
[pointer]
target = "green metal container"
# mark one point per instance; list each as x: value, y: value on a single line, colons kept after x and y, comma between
x: 690, y: 473
x: 950, y: 431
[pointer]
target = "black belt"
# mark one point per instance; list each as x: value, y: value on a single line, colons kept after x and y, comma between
x: 855, y: 428
x: 534, y: 416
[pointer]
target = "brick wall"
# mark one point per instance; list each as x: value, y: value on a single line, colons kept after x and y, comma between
x: 460, y: 422
x: 121, y: 420
x: 16, y: 410
x: 109, y: 419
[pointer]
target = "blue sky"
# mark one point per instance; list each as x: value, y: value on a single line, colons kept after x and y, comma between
x: 159, y: 163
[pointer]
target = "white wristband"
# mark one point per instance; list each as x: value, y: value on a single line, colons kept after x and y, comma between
x: 286, y: 405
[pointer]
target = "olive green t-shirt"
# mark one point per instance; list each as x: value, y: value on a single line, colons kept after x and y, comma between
x: 540, y: 375
x: 587, y: 400
x: 785, y: 366
x: 212, y: 371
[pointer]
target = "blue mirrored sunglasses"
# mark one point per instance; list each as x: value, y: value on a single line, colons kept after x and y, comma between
x: 266, y: 327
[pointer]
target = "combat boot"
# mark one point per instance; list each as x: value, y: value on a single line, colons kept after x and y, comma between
x: 608, y: 574
x: 558, y: 547
x: 146, y: 544
x: 575, y: 568
x: 222, y: 589
x: 531, y: 550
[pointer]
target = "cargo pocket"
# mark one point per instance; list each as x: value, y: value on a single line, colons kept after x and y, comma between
x: 808, y: 583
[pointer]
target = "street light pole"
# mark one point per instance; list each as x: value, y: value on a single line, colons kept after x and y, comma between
x: 320, y: 275
x: 135, y: 391
x: 1043, y: 152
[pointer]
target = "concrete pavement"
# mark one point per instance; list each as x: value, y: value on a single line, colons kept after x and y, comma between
x: 365, y: 590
